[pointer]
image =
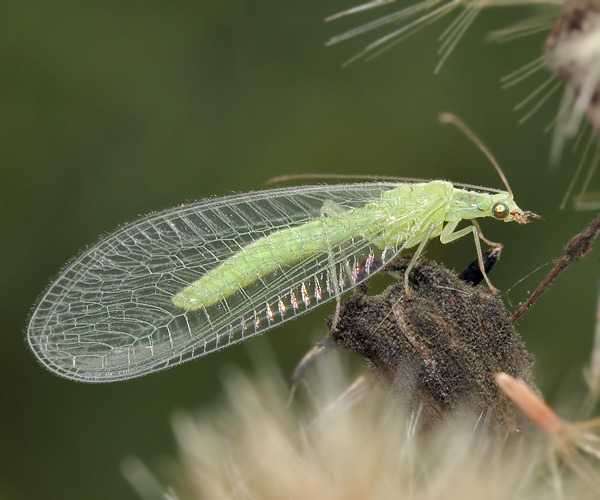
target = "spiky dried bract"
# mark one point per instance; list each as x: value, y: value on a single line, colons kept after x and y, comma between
x: 412, y: 17
x: 256, y: 448
x: 438, y: 346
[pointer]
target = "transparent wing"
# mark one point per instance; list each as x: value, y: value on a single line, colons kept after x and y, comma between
x: 109, y: 314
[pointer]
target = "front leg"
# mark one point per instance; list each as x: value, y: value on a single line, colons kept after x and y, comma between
x: 324, y: 346
x: 415, y: 257
x: 450, y: 234
x: 332, y: 209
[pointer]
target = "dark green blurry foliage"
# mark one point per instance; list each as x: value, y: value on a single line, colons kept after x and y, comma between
x: 113, y: 109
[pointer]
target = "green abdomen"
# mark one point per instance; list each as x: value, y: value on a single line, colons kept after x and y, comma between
x: 266, y: 255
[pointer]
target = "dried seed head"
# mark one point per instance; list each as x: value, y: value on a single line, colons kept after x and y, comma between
x: 438, y: 346
x: 573, y: 40
x: 254, y: 447
x: 573, y: 52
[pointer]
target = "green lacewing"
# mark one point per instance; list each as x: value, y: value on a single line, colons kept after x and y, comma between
x: 181, y: 283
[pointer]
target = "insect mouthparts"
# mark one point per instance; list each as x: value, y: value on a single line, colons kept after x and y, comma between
x: 525, y: 217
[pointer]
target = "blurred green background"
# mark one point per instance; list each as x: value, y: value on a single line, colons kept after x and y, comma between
x: 112, y: 109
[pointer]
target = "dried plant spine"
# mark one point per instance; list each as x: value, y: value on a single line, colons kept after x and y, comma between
x: 575, y: 444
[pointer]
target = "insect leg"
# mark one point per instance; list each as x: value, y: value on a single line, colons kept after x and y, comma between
x: 415, y: 257
x: 316, y: 352
x: 328, y: 209
x: 449, y: 234
x: 490, y: 243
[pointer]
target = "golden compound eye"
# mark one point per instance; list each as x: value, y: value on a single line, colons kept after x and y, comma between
x: 500, y: 211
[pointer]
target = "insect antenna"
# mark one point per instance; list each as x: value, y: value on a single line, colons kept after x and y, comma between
x: 452, y: 119
x: 280, y: 179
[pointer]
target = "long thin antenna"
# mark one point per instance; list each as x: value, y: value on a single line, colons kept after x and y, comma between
x: 452, y: 119
x: 310, y: 176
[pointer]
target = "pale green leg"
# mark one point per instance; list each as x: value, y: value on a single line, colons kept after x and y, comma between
x: 415, y: 258
x: 316, y: 352
x: 331, y: 209
x: 449, y: 234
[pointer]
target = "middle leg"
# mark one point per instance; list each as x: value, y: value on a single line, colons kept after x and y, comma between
x: 450, y: 234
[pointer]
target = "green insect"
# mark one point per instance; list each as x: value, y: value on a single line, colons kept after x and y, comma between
x: 181, y: 283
